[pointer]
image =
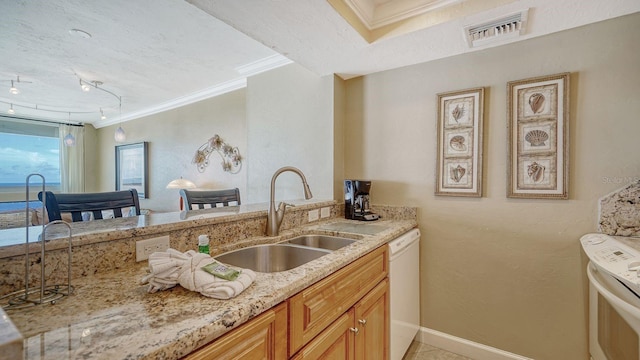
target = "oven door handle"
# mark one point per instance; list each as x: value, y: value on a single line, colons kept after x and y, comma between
x: 613, y: 299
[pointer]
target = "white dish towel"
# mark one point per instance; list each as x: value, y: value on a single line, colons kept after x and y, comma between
x: 172, y: 267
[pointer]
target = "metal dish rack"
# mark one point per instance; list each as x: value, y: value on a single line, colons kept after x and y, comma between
x: 45, y: 293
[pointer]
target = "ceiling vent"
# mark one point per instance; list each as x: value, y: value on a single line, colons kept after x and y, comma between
x: 506, y: 27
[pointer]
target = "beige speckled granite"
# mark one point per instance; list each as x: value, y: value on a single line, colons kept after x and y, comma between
x: 620, y: 211
x: 108, y: 245
x: 111, y: 316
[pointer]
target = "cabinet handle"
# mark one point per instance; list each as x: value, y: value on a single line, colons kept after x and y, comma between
x: 363, y: 322
x: 354, y: 330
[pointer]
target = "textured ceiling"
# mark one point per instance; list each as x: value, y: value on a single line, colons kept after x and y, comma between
x: 159, y: 54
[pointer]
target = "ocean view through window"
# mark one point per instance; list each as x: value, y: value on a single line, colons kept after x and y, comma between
x: 27, y: 149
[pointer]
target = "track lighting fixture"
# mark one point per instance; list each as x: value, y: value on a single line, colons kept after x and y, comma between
x: 84, y: 86
x: 14, y: 90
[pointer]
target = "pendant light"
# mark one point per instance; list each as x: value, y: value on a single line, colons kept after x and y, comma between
x: 69, y: 139
x: 11, y: 111
x: 120, y: 135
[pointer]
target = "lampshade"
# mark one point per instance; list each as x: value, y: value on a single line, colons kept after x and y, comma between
x: 120, y: 136
x: 181, y: 184
x: 69, y: 140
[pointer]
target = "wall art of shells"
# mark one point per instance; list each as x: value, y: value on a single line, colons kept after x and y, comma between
x: 458, y: 143
x: 459, y: 162
x: 457, y: 112
x: 536, y: 102
x: 457, y: 173
x: 536, y: 137
x: 535, y: 172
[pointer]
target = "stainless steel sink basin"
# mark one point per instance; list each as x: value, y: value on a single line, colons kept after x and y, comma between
x: 321, y: 241
x: 272, y: 257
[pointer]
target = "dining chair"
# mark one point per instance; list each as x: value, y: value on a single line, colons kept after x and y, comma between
x: 201, y: 198
x: 94, y: 203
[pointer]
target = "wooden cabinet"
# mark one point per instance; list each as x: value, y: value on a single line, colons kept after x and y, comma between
x: 372, y: 322
x: 362, y: 333
x: 314, y: 308
x: 263, y: 338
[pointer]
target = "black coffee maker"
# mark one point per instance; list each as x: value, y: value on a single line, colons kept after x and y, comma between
x: 356, y: 200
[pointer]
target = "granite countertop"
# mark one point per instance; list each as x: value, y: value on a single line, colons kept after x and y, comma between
x: 111, y: 315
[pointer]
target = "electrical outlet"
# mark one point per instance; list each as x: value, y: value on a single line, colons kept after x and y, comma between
x: 313, y: 215
x: 144, y: 248
x: 325, y: 212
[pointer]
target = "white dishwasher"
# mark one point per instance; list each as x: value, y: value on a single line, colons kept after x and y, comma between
x: 404, y: 278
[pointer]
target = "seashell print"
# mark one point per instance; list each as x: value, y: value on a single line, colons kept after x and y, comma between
x: 457, y: 173
x: 457, y: 143
x: 535, y: 172
x: 536, y: 101
x: 536, y: 137
x: 457, y: 112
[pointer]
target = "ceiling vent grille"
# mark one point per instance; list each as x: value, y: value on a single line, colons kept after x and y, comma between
x: 500, y: 29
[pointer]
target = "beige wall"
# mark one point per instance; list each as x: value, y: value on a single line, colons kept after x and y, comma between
x: 173, y: 137
x: 290, y: 123
x: 508, y: 273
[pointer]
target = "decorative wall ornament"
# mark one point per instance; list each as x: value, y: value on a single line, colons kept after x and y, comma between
x: 231, y: 158
x: 538, y: 127
x: 459, y: 165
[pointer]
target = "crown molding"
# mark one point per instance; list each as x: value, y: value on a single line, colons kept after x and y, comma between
x: 178, y: 102
x: 262, y: 65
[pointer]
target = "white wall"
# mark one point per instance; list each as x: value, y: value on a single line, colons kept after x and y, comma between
x: 507, y: 273
x: 289, y: 123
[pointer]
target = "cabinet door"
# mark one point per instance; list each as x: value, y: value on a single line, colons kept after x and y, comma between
x: 263, y: 338
x: 314, y: 308
x: 335, y: 343
x: 372, y: 322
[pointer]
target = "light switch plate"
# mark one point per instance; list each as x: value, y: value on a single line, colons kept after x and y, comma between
x: 313, y: 215
x: 325, y: 212
x: 146, y: 247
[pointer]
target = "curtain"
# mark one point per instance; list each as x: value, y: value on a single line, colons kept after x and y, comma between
x: 72, y: 160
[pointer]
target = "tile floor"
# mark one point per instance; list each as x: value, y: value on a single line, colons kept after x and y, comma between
x: 420, y: 351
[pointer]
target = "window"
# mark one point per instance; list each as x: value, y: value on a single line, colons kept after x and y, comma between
x: 27, y: 147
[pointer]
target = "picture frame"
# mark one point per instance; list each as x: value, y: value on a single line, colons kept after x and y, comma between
x: 131, y: 168
x: 538, y: 131
x: 460, y: 130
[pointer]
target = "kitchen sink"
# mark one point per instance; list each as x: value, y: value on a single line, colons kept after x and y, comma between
x: 272, y: 257
x: 321, y: 241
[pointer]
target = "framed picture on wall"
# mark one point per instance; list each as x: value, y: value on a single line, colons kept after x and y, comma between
x: 131, y: 168
x: 459, y: 163
x: 538, y: 128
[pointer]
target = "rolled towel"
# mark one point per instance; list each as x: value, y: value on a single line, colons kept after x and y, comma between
x: 164, y: 268
x: 173, y: 267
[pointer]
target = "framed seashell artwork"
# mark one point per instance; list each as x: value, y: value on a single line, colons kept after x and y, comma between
x: 459, y: 163
x: 538, y: 128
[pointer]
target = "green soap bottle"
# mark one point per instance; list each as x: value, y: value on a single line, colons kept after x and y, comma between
x: 203, y: 244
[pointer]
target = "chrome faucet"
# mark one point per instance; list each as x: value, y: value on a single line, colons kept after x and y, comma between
x: 274, y: 217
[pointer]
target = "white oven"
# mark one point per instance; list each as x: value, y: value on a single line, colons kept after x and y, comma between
x: 614, y: 303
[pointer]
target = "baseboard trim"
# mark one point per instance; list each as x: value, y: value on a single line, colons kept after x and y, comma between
x: 464, y: 347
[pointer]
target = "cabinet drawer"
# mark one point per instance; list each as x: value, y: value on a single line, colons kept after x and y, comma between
x: 264, y: 337
x: 313, y: 309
